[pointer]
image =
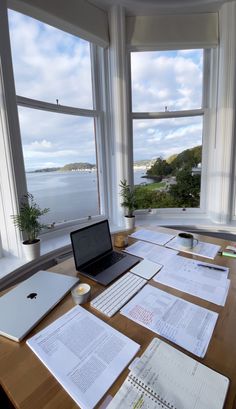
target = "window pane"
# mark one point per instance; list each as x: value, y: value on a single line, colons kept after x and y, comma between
x: 50, y: 64
x: 60, y: 161
x: 166, y: 80
x: 167, y: 162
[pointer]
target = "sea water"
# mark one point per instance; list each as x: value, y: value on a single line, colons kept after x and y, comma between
x: 69, y: 195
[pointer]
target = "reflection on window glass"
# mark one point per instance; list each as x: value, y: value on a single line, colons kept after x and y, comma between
x: 166, y: 80
x: 167, y: 162
x: 49, y: 64
x: 60, y: 162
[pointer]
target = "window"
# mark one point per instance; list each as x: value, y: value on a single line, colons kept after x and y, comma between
x: 167, y: 112
x: 59, y: 120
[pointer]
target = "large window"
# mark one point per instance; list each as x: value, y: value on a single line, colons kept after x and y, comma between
x: 59, y: 120
x: 167, y: 112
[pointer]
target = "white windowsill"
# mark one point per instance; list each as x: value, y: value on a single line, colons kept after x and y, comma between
x: 53, y: 244
x: 56, y: 243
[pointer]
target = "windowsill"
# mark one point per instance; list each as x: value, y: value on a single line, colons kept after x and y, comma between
x: 56, y: 243
x: 53, y: 244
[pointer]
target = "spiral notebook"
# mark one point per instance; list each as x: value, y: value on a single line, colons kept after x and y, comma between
x: 166, y: 378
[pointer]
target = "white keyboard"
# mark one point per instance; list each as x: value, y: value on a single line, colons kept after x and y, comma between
x: 114, y: 297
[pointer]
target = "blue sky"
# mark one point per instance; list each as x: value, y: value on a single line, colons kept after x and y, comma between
x: 50, y: 64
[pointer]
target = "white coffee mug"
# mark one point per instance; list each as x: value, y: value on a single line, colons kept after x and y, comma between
x: 187, y: 240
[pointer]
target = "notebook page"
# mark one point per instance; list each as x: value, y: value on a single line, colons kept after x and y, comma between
x: 130, y: 397
x: 179, y: 380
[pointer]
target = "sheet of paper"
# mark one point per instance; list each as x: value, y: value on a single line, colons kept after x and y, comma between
x: 177, y: 320
x: 151, y: 252
x: 204, y: 280
x: 152, y: 236
x: 202, y: 248
x: 84, y: 354
x: 146, y: 269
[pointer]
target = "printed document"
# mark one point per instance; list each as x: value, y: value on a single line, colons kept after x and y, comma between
x: 151, y: 252
x: 152, y: 236
x: 164, y: 377
x: 84, y: 354
x: 202, y: 248
x: 177, y: 320
x: 204, y: 280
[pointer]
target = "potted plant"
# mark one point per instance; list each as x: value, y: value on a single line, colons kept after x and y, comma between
x: 28, y: 222
x: 127, y: 193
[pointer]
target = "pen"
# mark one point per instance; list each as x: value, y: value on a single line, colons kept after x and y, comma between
x: 212, y: 268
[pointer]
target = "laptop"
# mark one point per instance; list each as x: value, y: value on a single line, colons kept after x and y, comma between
x: 94, y: 255
x: 25, y: 305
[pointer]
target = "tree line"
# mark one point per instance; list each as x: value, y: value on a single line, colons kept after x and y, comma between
x: 183, y: 191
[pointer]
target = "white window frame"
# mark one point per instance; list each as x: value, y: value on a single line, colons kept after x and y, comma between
x: 12, y: 172
x: 178, y: 114
x: 97, y: 60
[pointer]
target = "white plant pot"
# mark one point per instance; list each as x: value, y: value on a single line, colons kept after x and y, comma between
x: 129, y: 222
x: 31, y: 251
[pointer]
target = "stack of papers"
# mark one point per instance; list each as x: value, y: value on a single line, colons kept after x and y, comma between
x: 202, y: 248
x: 179, y: 321
x: 84, y: 354
x: 151, y: 252
x: 207, y: 281
x: 152, y: 236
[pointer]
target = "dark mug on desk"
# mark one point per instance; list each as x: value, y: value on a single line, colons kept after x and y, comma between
x: 187, y: 240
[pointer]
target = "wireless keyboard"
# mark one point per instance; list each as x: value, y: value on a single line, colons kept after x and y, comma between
x: 114, y: 297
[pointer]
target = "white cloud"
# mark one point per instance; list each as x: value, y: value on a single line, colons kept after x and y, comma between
x: 165, y: 79
x: 37, y: 145
x: 50, y: 64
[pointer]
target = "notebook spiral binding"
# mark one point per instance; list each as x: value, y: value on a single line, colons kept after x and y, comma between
x: 142, y: 387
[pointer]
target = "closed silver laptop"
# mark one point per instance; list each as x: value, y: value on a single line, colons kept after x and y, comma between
x: 25, y: 305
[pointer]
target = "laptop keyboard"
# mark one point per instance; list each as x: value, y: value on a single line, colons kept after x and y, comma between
x: 117, y: 295
x: 105, y: 262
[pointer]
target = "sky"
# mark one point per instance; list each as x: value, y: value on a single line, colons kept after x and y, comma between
x: 51, y: 65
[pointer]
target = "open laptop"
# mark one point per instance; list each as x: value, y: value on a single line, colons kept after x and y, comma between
x: 94, y: 255
x: 26, y: 304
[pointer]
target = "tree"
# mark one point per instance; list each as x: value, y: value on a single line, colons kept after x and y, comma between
x: 187, y: 159
x: 186, y: 192
x: 160, y: 169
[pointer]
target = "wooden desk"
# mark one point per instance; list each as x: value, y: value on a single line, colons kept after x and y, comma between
x: 29, y: 385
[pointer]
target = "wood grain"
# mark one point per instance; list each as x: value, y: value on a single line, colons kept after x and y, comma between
x: 29, y: 385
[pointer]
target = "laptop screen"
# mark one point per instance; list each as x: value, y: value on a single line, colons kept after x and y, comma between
x: 91, y: 242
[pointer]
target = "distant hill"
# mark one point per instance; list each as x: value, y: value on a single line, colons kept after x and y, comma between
x: 78, y: 166
x: 67, y: 168
x: 143, y: 162
x: 187, y: 159
x: 45, y: 170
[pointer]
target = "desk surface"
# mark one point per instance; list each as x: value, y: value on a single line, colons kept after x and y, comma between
x: 29, y: 384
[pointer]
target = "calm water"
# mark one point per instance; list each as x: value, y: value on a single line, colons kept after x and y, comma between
x: 69, y: 195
